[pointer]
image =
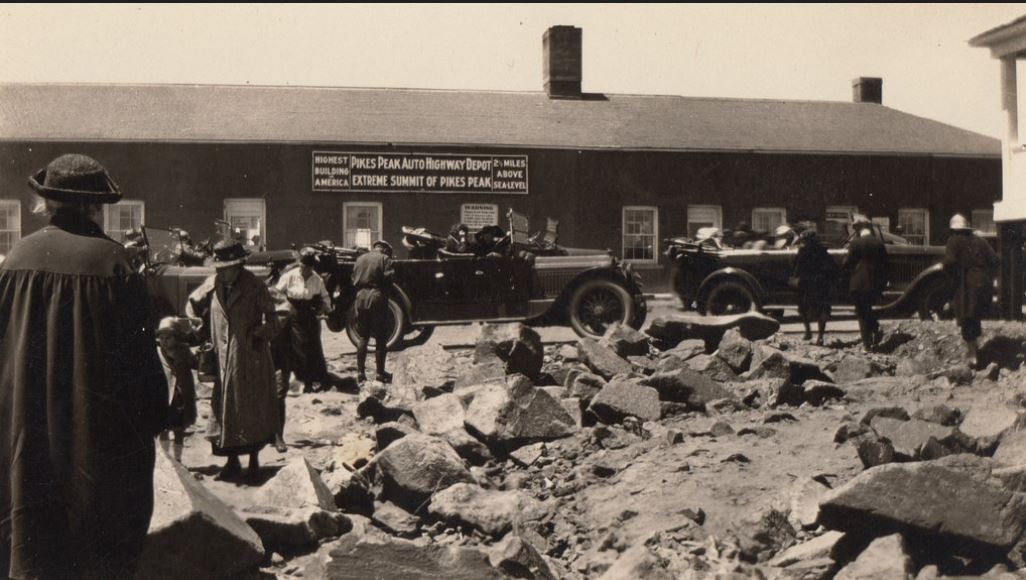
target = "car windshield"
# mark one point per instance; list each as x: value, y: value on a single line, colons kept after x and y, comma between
x: 162, y: 244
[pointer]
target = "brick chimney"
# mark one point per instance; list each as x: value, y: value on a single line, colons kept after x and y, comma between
x: 867, y: 90
x: 561, y: 68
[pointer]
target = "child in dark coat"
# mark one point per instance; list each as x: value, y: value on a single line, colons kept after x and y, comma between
x: 178, y: 362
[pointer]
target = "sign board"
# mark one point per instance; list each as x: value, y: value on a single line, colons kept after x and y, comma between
x: 479, y: 215
x: 419, y: 172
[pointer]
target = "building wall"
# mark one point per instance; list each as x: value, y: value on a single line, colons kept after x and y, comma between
x: 184, y: 185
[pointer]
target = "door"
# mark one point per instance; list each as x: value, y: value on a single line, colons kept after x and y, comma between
x: 248, y: 216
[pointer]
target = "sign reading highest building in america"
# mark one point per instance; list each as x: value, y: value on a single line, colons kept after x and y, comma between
x: 419, y: 172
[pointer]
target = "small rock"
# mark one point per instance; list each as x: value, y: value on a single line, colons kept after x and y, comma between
x: 568, y: 353
x: 713, y: 367
x: 601, y: 359
x: 985, y: 423
x: 735, y: 350
x: 819, y: 547
x: 940, y: 414
x: 295, y: 526
x: 621, y: 399
x: 687, y: 386
x: 686, y: 349
x: 519, y: 559
x: 759, y: 431
x: 625, y: 341
x: 528, y: 454
x: 354, y: 450
x: 637, y: 563
x: 873, y: 450
x: 491, y: 511
x: 395, y: 519
x: 779, y: 417
x: 518, y: 346
x: 805, y: 497
x: 885, y: 559
x: 439, y: 415
x: 891, y: 412
x: 361, y: 556
x: 415, y: 467
x: 910, y: 438
x: 297, y: 485
x: 854, y: 368
x: 387, y: 433
x: 818, y: 392
x: 585, y: 386
x: 424, y: 368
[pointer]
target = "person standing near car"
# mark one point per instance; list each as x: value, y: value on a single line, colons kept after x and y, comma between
x: 301, y: 340
x: 814, y: 277
x: 82, y: 391
x: 241, y: 318
x: 866, y: 266
x: 372, y: 274
x: 971, y: 265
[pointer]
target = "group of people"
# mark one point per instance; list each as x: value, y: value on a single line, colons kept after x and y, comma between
x: 88, y: 385
x: 969, y: 263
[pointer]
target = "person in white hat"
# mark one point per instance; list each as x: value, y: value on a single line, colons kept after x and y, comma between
x: 971, y: 265
x: 866, y: 266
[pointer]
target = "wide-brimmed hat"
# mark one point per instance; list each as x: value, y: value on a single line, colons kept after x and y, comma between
x: 958, y: 222
x: 75, y: 178
x: 228, y: 253
x: 173, y: 325
x: 383, y: 244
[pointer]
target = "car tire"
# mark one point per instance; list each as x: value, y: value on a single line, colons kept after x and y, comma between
x: 417, y: 336
x: 597, y: 304
x: 934, y: 300
x: 395, y: 338
x: 730, y: 298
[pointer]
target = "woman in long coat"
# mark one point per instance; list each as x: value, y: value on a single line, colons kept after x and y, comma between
x: 972, y: 265
x: 815, y: 273
x: 239, y: 314
x: 82, y: 391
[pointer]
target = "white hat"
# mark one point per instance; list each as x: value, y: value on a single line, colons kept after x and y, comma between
x: 958, y: 222
x: 782, y: 230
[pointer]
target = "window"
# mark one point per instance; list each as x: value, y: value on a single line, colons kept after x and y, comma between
x: 361, y: 223
x: 841, y: 213
x: 766, y: 219
x: 123, y: 216
x: 883, y: 222
x: 248, y: 216
x: 704, y: 216
x: 983, y: 220
x: 915, y: 226
x: 10, y: 224
x: 640, y: 233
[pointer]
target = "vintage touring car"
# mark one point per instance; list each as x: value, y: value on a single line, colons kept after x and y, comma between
x: 522, y: 279
x: 715, y: 279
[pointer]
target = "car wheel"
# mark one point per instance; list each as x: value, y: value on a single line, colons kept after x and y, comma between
x: 396, y: 324
x: 598, y: 304
x: 418, y: 336
x: 730, y: 298
x: 934, y: 302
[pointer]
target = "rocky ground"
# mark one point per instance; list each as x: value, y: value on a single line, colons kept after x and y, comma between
x: 693, y: 451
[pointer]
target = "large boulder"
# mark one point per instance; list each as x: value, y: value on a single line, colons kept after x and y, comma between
x: 362, y: 556
x: 490, y: 511
x: 625, y: 341
x: 951, y: 500
x: 621, y: 399
x: 987, y: 422
x: 885, y: 558
x: 735, y: 350
x: 440, y: 414
x: 297, y: 485
x: 915, y: 439
x: 192, y: 533
x: 517, y: 413
x: 477, y: 374
x: 687, y: 386
x: 295, y: 526
x: 416, y: 466
x: 672, y: 330
x: 517, y: 346
x: 769, y: 362
x: 602, y: 360
x: 420, y: 372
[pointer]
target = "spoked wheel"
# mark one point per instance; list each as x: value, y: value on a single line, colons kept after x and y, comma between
x: 598, y: 304
x: 935, y: 302
x: 730, y: 298
x: 397, y: 321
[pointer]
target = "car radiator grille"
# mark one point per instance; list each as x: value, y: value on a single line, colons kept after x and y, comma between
x: 554, y: 281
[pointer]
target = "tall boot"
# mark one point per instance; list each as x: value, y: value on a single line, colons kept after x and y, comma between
x: 361, y: 361
x: 279, y: 437
x: 379, y: 358
x: 177, y: 450
x: 973, y: 351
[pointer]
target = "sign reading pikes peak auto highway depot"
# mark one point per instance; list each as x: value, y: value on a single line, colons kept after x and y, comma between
x: 421, y: 172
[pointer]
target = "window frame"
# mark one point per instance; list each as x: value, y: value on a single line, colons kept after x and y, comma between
x: 346, y: 205
x: 247, y: 200
x: 655, y: 233
x: 926, y: 224
x: 975, y: 222
x: 7, y: 203
x: 119, y: 235
x: 717, y: 223
x: 783, y: 216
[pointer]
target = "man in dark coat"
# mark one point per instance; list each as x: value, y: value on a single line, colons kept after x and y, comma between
x: 866, y: 265
x: 372, y: 274
x: 82, y: 391
x: 972, y: 265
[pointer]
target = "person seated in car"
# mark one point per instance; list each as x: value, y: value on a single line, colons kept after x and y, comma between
x: 459, y: 241
x: 187, y: 254
x: 783, y: 237
x: 488, y: 242
x: 709, y: 238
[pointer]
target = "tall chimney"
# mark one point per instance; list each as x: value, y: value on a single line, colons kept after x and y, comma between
x: 867, y: 90
x: 561, y: 53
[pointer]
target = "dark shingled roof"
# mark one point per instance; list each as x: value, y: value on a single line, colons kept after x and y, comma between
x: 437, y: 117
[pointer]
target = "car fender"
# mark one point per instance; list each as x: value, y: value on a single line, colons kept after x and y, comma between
x: 908, y: 302
x: 729, y: 273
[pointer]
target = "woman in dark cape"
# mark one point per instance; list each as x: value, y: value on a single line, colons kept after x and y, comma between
x: 82, y: 391
x: 815, y: 274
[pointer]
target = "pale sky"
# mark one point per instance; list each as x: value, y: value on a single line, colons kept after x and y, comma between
x: 754, y: 51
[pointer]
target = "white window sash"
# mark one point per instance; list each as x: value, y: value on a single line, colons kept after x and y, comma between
x: 653, y: 213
